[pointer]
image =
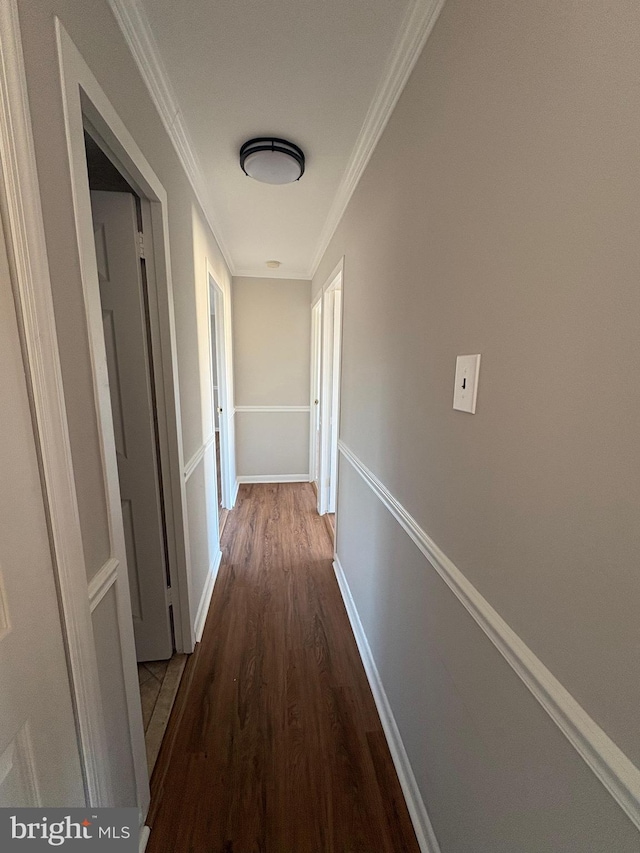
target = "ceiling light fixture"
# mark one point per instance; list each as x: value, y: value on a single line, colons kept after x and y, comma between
x: 273, y: 265
x: 272, y: 160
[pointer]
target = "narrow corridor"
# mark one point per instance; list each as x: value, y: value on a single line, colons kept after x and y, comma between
x: 275, y: 744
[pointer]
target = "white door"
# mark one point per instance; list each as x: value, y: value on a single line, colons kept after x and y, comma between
x: 316, y: 370
x: 124, y: 310
x: 39, y: 761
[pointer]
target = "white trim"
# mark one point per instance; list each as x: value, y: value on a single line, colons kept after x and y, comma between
x: 273, y: 478
x: 138, y: 35
x: 286, y: 274
x: 224, y: 369
x: 411, y: 39
x: 198, y: 456
x: 145, y: 832
x: 315, y: 386
x: 205, y: 600
x: 278, y: 409
x: 236, y: 489
x: 28, y: 256
x: 425, y: 835
x: 83, y: 98
x: 330, y: 373
x: 612, y: 767
x: 330, y: 281
x: 100, y: 585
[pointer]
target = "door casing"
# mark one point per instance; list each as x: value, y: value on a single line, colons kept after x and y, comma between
x: 86, y: 105
x: 26, y: 245
x: 330, y: 390
x: 315, y: 386
x: 218, y: 299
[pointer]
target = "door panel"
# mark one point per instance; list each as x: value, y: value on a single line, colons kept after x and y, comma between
x: 39, y: 759
x: 125, y: 333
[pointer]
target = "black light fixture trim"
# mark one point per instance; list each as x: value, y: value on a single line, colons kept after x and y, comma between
x: 272, y: 143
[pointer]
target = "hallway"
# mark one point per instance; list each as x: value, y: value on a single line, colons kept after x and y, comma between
x: 275, y: 743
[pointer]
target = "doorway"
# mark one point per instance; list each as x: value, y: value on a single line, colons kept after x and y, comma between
x: 316, y: 391
x: 221, y: 399
x: 124, y: 260
x: 326, y: 375
x: 216, y: 408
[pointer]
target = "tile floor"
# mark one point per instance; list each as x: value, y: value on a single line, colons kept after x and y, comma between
x: 159, y: 682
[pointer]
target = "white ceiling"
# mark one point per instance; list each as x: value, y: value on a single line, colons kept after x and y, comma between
x: 324, y: 74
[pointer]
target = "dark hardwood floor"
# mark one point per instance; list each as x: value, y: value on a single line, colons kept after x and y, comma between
x: 275, y: 745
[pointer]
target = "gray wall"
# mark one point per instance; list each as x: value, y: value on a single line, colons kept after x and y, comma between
x: 271, y: 341
x: 499, y: 214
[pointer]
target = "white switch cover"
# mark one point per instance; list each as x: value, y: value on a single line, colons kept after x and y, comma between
x: 466, y: 383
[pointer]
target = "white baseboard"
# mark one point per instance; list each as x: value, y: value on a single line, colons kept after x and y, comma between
x: 234, y: 496
x: 273, y: 478
x: 145, y: 832
x: 205, y: 601
x: 422, y: 825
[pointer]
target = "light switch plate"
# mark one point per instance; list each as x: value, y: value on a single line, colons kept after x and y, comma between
x: 465, y: 389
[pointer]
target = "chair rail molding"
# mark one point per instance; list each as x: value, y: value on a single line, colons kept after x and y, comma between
x: 612, y: 767
x: 198, y: 456
x: 276, y: 409
x: 102, y: 582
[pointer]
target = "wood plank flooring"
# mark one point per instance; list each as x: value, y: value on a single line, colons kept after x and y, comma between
x: 275, y: 745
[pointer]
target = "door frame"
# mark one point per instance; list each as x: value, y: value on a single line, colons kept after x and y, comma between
x: 225, y: 388
x: 330, y: 390
x: 26, y: 246
x: 315, y: 389
x: 86, y: 105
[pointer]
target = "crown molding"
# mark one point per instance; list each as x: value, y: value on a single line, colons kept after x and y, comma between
x: 139, y: 37
x: 283, y: 274
x: 410, y: 41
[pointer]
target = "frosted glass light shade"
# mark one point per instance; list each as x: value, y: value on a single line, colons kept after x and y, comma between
x: 272, y: 161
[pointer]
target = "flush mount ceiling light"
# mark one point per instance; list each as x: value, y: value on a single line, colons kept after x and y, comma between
x: 272, y: 160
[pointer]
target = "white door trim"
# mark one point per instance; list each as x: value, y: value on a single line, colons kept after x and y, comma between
x: 22, y: 214
x: 329, y: 384
x: 274, y: 409
x: 314, y: 390
x: 225, y: 386
x: 84, y: 101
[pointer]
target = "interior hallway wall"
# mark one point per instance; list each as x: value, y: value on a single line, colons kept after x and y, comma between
x: 95, y: 33
x: 499, y: 215
x: 271, y: 332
